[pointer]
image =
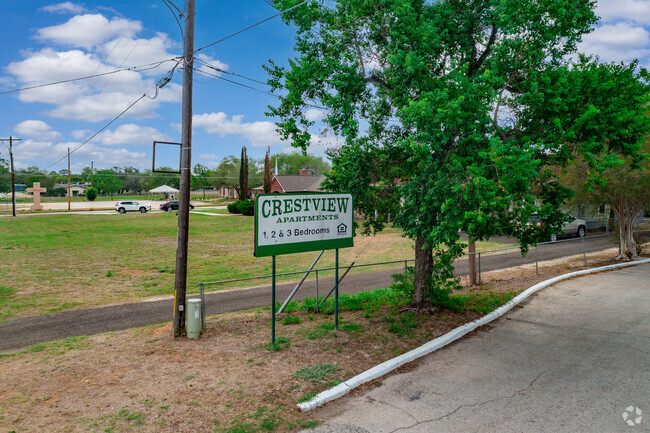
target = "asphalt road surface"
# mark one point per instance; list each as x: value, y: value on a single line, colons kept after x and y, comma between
x: 31, y: 330
x: 575, y: 359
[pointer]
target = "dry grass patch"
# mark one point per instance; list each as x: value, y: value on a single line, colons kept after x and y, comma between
x: 230, y: 379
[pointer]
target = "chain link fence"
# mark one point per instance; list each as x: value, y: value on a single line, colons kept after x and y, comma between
x: 319, y: 282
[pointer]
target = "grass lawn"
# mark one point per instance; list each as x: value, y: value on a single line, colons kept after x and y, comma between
x: 52, y: 263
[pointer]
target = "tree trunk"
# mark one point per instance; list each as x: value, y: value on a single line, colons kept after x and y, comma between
x: 626, y: 228
x: 423, y: 270
x: 472, y: 261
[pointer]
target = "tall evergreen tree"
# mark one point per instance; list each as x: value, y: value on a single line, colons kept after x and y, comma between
x: 243, y: 176
x: 268, y: 175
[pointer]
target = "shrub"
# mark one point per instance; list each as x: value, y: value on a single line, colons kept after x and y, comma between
x: 233, y: 207
x: 91, y: 194
x: 246, y: 207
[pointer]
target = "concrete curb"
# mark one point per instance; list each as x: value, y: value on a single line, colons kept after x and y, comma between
x: 437, y: 343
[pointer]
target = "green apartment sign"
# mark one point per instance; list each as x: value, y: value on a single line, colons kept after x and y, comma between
x: 295, y: 223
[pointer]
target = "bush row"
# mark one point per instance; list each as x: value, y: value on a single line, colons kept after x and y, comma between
x: 244, y: 207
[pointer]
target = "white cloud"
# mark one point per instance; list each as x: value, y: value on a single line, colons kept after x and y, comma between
x: 65, y: 7
x: 131, y: 134
x: 37, y: 129
x: 89, y: 30
x: 38, y: 150
x: 210, y: 160
x: 617, y: 42
x: 80, y: 134
x: 93, y: 99
x: 212, y: 62
x: 629, y: 10
x: 314, y: 114
x: 259, y: 134
x: 127, y: 51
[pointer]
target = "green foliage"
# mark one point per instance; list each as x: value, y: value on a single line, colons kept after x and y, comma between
x: 108, y: 182
x: 57, y: 192
x: 5, y: 176
x: 268, y: 174
x: 404, y: 325
x: 281, y: 343
x: 91, y: 194
x: 292, y: 163
x: 426, y: 138
x: 246, y: 207
x: 291, y: 320
x: 306, y: 397
x: 317, y: 373
x: 488, y: 302
x: 244, y: 192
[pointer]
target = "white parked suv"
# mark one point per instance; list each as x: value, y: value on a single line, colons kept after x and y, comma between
x: 131, y: 206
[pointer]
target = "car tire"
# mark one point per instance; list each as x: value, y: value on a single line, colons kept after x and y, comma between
x: 554, y: 237
x: 121, y: 210
x: 143, y: 210
x: 582, y: 232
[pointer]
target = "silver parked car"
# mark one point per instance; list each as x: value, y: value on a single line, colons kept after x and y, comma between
x: 575, y: 227
x: 131, y: 206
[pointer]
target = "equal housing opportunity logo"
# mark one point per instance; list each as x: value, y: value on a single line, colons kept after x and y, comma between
x: 632, y: 416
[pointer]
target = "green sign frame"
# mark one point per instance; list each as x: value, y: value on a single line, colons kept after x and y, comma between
x: 266, y: 219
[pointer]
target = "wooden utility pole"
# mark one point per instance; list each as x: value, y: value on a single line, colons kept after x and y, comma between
x: 184, y: 189
x: 13, y: 180
x: 68, y: 179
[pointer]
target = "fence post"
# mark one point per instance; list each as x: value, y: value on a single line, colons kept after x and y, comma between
x: 479, y: 269
x: 317, y: 300
x: 405, y: 266
x: 536, y: 265
x: 202, y: 306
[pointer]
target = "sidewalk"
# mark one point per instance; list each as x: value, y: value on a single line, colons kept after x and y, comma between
x: 573, y: 360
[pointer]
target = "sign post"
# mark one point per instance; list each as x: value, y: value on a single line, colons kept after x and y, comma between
x: 295, y: 223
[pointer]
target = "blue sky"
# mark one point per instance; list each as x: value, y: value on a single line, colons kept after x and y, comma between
x: 48, y: 41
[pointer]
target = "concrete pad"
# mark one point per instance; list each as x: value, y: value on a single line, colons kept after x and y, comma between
x: 573, y: 359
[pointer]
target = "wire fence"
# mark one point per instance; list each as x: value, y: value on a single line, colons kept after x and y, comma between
x: 319, y: 282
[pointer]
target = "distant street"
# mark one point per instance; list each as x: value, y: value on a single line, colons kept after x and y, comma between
x: 30, y: 330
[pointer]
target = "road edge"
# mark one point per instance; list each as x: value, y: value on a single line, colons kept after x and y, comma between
x: 437, y: 343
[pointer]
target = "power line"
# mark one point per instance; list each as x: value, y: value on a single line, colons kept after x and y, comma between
x: 250, y: 27
x: 230, y: 73
x: 180, y: 14
x: 97, y: 133
x: 253, y: 88
x: 134, y: 69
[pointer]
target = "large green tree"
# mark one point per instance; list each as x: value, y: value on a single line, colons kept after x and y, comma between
x: 623, y: 184
x: 200, y: 177
x: 108, y: 182
x: 5, y: 176
x: 292, y: 163
x: 452, y: 113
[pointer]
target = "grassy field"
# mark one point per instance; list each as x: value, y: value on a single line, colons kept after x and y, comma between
x: 52, y: 263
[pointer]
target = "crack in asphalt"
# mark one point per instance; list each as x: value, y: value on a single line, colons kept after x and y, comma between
x: 398, y: 408
x: 462, y: 406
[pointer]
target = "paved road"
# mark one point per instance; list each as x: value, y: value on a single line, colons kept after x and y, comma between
x: 30, y: 330
x: 573, y: 360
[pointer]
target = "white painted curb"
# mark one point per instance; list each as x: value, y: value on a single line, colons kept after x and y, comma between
x: 435, y: 344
